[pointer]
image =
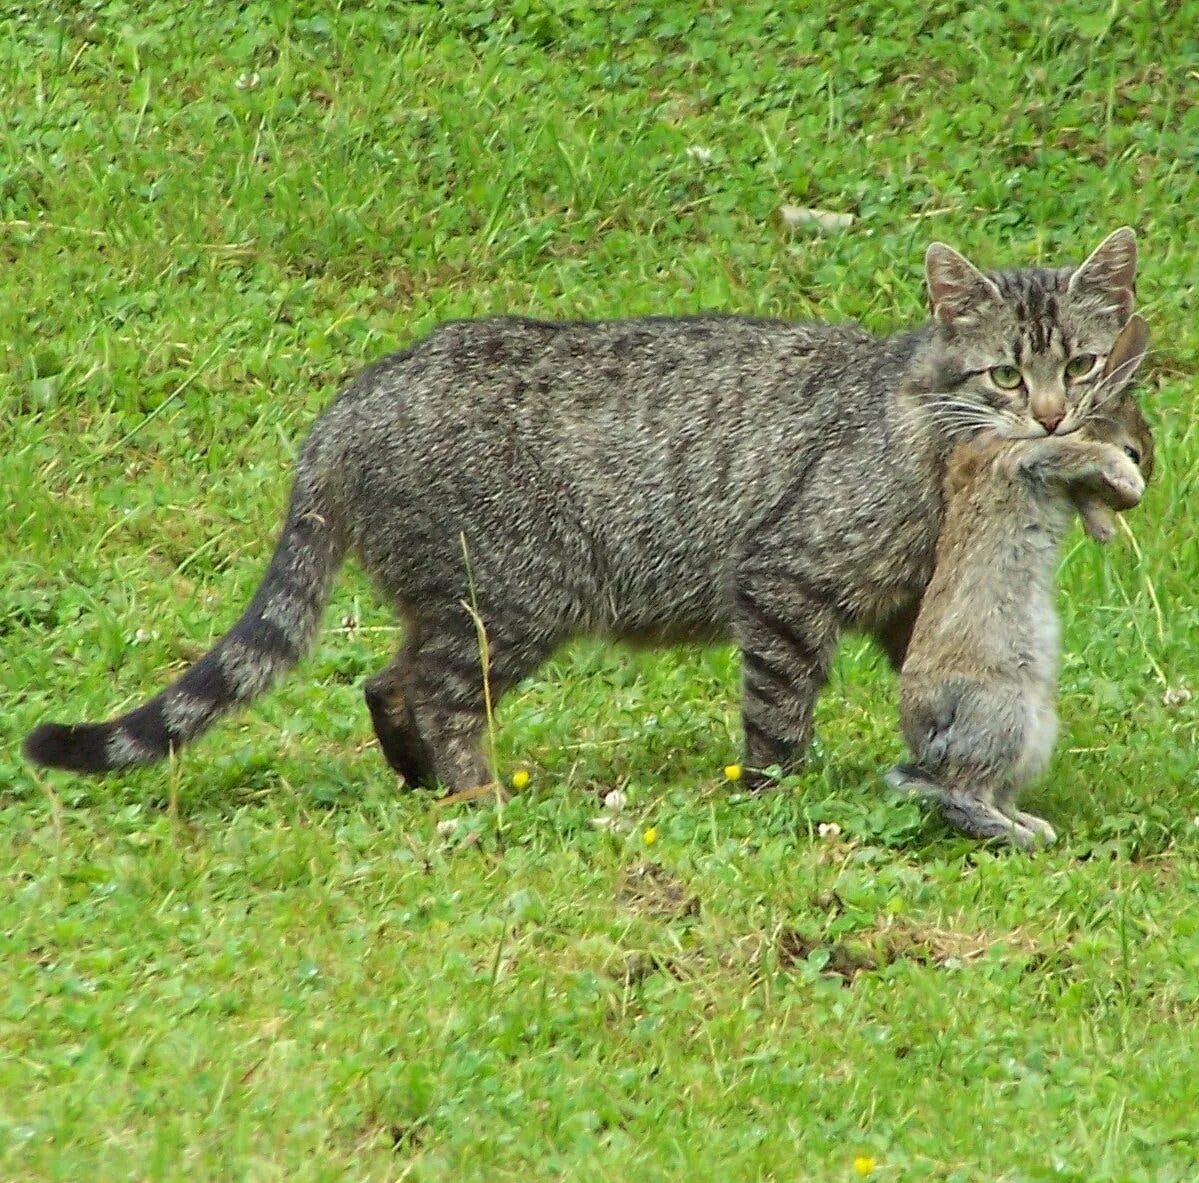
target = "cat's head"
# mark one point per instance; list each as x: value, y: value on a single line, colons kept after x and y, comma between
x: 1026, y: 352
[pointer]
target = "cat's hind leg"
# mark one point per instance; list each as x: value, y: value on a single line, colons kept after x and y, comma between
x: 430, y: 705
x: 400, y: 740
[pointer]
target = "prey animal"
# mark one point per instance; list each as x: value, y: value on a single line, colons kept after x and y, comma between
x: 978, y: 684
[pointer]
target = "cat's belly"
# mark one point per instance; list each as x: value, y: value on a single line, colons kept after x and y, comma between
x: 686, y: 605
x: 691, y: 631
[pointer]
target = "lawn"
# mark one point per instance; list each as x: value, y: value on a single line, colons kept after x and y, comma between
x: 267, y: 961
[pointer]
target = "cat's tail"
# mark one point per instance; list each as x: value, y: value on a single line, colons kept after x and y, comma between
x: 274, y: 632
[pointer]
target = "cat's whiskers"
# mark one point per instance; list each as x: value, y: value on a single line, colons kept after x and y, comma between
x: 976, y: 417
x: 950, y: 415
x: 958, y: 423
x: 968, y: 414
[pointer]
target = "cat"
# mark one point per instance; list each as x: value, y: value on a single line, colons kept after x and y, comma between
x: 977, y: 685
x: 657, y: 480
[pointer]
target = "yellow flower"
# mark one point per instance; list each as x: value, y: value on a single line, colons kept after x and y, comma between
x: 864, y: 1165
x: 520, y: 779
x: 650, y: 835
x: 732, y: 772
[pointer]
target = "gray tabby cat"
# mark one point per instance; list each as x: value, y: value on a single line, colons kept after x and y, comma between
x: 977, y: 686
x: 657, y: 480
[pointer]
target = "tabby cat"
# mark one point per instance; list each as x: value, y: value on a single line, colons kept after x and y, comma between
x: 657, y: 480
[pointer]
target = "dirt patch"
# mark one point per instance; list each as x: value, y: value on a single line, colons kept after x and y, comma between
x: 640, y: 965
x: 760, y: 955
x: 885, y: 944
x: 843, y: 961
x: 653, y: 892
x: 404, y: 1138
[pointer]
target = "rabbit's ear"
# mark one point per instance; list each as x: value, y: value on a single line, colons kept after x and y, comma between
x: 1126, y: 354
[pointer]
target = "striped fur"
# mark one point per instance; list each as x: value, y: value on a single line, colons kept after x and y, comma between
x: 274, y: 632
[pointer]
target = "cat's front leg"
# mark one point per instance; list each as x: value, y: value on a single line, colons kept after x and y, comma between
x: 894, y: 633
x: 786, y: 629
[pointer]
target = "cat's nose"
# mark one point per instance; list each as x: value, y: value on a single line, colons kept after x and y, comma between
x: 1050, y: 419
x: 1047, y: 406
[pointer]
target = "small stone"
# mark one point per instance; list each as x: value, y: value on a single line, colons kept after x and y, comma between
x: 1176, y: 696
x: 614, y: 801
x: 795, y: 216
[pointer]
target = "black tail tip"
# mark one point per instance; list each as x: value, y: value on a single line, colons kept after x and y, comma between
x: 80, y: 747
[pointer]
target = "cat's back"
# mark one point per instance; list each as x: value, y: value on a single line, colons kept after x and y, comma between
x: 698, y: 404
x: 594, y: 365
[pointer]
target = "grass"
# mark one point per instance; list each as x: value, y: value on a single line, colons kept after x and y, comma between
x: 265, y: 962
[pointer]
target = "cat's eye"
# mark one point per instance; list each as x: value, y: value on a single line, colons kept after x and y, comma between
x: 1132, y: 454
x: 1006, y: 377
x: 1080, y: 365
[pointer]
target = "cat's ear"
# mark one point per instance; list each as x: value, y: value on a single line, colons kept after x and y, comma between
x: 1127, y: 353
x: 957, y: 290
x: 1109, y: 275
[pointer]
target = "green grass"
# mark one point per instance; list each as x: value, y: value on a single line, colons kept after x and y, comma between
x: 266, y: 962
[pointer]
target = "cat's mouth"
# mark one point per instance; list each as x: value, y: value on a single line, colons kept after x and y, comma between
x: 1032, y: 430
